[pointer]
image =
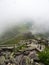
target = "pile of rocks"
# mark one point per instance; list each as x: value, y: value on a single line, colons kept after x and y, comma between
x: 29, y: 57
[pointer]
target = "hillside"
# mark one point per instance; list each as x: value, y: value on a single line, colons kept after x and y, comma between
x: 15, y: 33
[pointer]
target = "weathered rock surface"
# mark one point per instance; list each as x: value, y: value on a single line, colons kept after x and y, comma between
x: 28, y: 56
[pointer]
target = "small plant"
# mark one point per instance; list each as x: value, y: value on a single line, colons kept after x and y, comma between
x: 20, y: 47
x: 44, y: 56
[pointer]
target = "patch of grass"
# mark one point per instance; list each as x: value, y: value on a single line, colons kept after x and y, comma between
x: 44, y: 56
x: 21, y: 47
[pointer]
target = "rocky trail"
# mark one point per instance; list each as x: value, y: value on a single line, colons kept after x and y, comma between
x: 21, y: 55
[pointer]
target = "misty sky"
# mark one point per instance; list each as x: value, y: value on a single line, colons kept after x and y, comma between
x: 12, y: 11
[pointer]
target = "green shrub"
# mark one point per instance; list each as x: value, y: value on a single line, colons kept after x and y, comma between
x: 44, y: 56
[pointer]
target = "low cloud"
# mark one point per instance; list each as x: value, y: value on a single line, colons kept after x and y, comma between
x: 13, y: 12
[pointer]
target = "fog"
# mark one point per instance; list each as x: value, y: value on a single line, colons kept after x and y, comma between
x: 13, y: 12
